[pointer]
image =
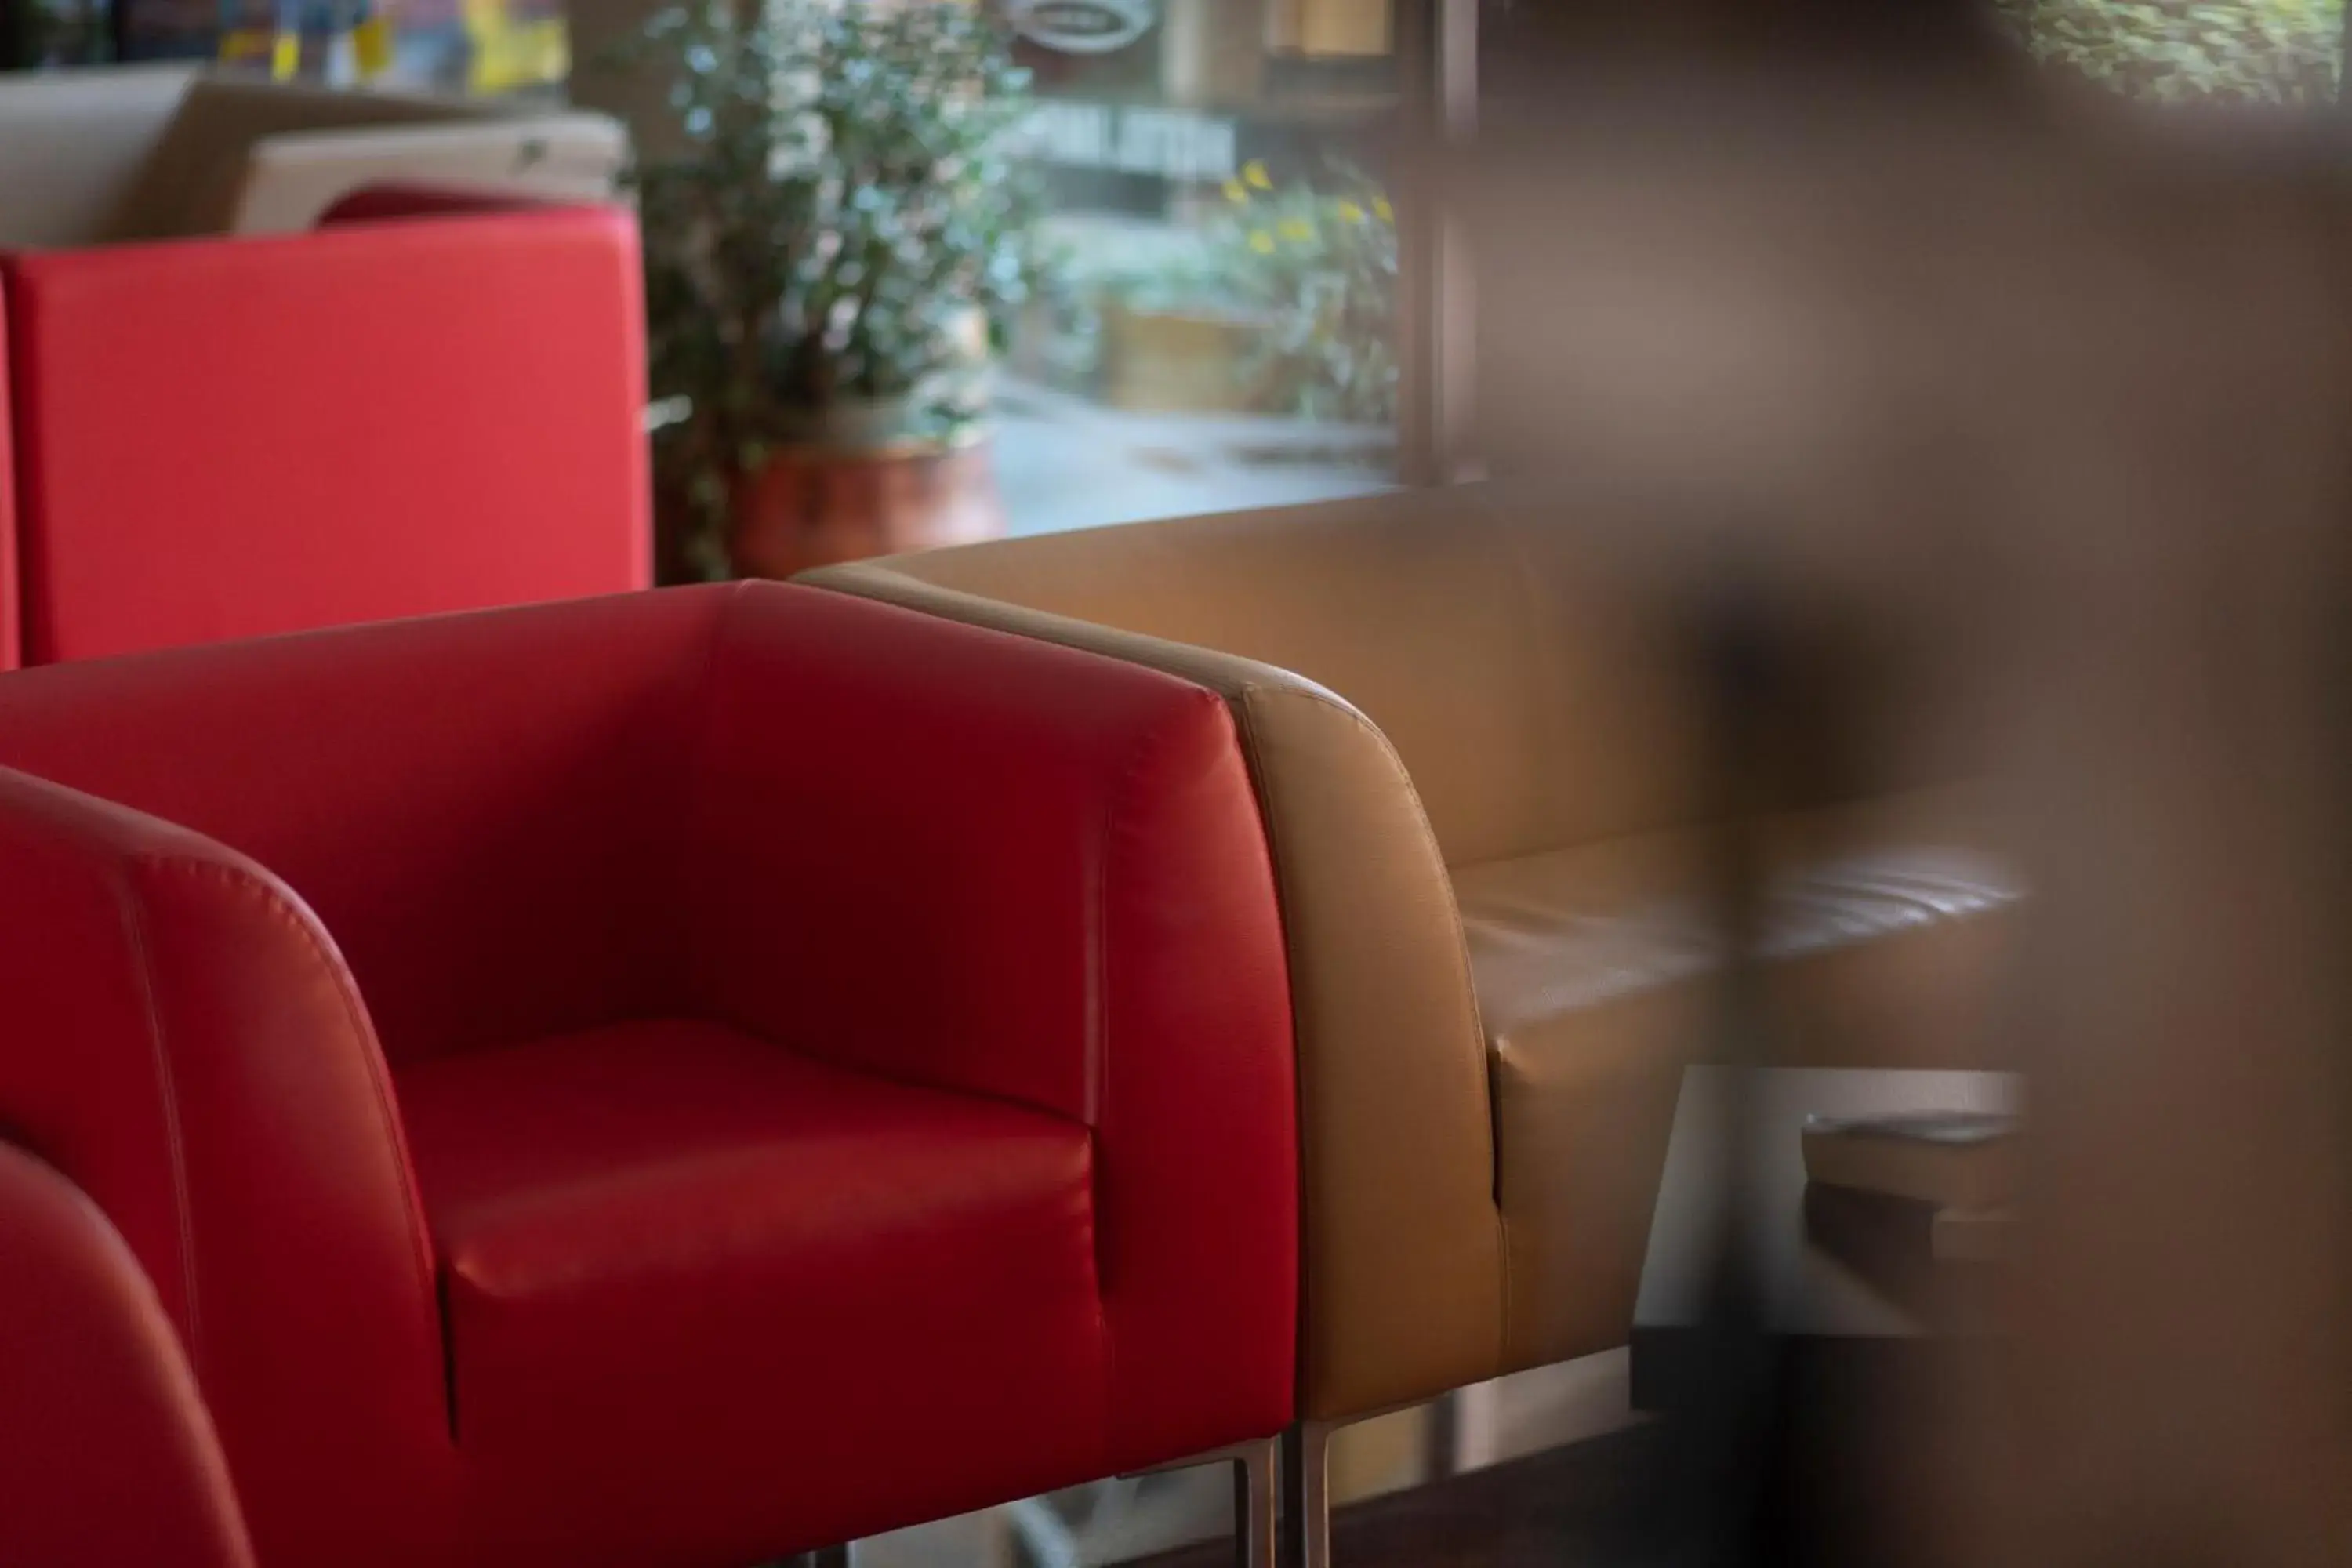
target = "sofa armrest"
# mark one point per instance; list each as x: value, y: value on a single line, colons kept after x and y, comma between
x: 1404, y: 1244
x: 989, y: 865
x: 108, y: 1455
x: 359, y: 423
x: 182, y: 1044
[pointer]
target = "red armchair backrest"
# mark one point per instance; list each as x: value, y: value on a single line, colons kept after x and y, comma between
x: 482, y: 809
x: 225, y: 438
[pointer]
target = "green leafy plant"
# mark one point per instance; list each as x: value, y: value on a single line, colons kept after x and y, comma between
x: 2270, y: 51
x: 1319, y: 262
x: 837, y: 230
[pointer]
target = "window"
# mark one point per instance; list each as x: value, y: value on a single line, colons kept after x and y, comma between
x: 1223, y: 328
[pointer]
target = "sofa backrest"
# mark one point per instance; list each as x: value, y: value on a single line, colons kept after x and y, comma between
x: 190, y: 183
x: 287, y: 181
x: 74, y: 150
x: 93, y: 157
x: 1531, y: 700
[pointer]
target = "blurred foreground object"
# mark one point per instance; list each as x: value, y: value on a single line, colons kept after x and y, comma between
x: 2033, y: 435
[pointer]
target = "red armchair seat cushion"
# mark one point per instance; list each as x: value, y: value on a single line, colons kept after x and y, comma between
x: 693, y: 1241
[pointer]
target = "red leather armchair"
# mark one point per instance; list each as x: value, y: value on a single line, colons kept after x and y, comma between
x: 662, y: 1080
x: 218, y: 438
x: 106, y: 1454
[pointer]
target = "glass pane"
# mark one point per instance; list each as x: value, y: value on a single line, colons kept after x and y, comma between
x: 1221, y: 333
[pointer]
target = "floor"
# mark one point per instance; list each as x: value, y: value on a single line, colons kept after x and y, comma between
x: 1551, y: 1509
x: 1507, y: 1472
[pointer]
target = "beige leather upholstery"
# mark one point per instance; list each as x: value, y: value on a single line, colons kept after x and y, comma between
x: 1492, y: 898
x: 73, y: 147
x: 1591, y: 967
x: 290, y: 178
x: 144, y: 153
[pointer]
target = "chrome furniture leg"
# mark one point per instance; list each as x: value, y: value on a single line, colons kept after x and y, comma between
x: 1306, y: 1496
x: 1256, y: 1501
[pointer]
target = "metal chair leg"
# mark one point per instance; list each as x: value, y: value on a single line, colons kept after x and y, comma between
x: 1256, y: 1499
x: 1307, y: 1496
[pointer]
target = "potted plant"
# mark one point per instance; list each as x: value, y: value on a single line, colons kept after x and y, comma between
x: 838, y: 238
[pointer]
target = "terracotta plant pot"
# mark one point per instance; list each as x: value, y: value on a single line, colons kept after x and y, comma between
x: 816, y: 506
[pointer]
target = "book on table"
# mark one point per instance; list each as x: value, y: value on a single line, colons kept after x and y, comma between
x: 1954, y: 1160
x: 1952, y: 1175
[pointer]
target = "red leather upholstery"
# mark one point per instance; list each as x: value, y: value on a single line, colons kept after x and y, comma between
x: 106, y: 1456
x: 225, y: 437
x: 403, y: 198
x: 845, y: 1057
x: 11, y: 652
x: 908, y: 1325
x: 182, y: 1042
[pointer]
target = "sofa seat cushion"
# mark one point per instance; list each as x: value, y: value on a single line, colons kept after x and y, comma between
x: 657, y: 1232
x: 1883, y: 938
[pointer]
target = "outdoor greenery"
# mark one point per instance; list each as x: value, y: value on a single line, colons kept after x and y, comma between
x: 837, y: 233
x: 1318, y: 261
x: 1308, y: 270
x: 2270, y: 51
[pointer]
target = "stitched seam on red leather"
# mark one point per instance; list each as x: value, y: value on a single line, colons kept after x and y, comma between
x: 33, y: 631
x: 13, y: 433
x: 130, y: 911
x: 372, y: 1063
x: 698, y: 785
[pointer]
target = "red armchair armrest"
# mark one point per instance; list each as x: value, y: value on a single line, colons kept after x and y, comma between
x: 182, y: 1042
x: 107, y: 1456
x: 221, y: 438
x: 1024, y: 871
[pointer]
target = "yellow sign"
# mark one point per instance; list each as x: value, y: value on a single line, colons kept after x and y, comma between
x: 509, y: 53
x: 372, y: 46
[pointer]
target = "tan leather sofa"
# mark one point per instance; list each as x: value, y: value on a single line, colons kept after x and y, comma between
x: 1476, y: 752
x: 94, y: 157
